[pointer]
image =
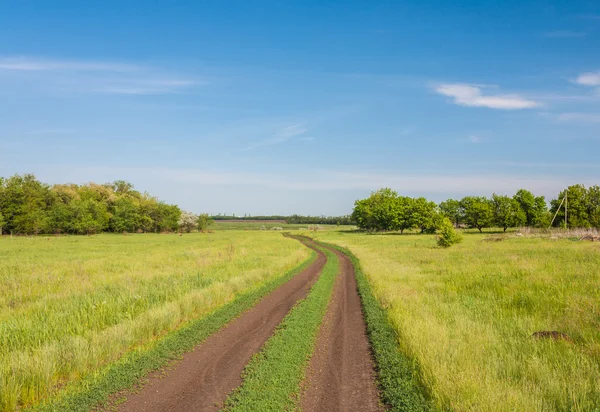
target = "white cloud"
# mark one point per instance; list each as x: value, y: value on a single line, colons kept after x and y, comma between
x: 579, y: 117
x: 472, y: 96
x: 588, y: 79
x: 474, y: 139
x: 36, y: 64
x: 82, y: 76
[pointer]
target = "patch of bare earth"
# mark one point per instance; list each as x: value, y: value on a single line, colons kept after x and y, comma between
x: 341, y: 373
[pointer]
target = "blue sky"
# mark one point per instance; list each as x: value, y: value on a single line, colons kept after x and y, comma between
x: 302, y: 107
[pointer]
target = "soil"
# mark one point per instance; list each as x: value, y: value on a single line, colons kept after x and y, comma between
x: 341, y: 373
x: 204, y: 377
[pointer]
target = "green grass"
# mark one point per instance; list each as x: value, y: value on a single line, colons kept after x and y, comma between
x: 466, y: 315
x: 70, y: 306
x: 272, y: 378
x: 398, y: 376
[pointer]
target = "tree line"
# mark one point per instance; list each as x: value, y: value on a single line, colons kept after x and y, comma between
x: 293, y: 219
x: 386, y: 210
x: 28, y: 206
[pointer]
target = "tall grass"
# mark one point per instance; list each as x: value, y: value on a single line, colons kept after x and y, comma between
x: 466, y: 315
x: 70, y: 305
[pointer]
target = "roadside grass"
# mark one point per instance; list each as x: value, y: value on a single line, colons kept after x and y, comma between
x: 273, y: 377
x: 466, y: 315
x: 398, y: 376
x: 70, y: 306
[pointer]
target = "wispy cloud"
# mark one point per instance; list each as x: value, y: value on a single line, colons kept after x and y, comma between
x: 282, y: 135
x: 579, y: 117
x: 474, y: 139
x: 83, y: 76
x: 564, y: 34
x: 38, y: 64
x: 473, y: 96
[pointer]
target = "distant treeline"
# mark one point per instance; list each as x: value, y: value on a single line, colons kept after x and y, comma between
x: 386, y: 210
x: 28, y: 206
x: 294, y: 219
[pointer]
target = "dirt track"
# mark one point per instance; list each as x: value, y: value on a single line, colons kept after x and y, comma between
x: 341, y: 375
x: 202, y: 380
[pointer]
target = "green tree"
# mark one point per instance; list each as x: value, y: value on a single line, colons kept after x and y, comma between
x: 90, y: 216
x: 2, y: 223
x: 401, y: 214
x: 479, y: 212
x: 578, y: 207
x: 452, y: 210
x: 204, y: 221
x: 125, y: 216
x: 593, y: 202
x: 534, y: 207
x: 507, y: 212
x: 424, y: 215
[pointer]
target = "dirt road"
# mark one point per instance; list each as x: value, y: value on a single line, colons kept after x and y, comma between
x: 341, y: 375
x: 202, y: 380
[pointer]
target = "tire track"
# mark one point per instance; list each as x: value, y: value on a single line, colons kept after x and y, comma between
x: 341, y: 373
x: 204, y: 377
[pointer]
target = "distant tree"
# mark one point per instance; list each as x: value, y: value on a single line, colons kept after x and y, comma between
x: 593, y: 202
x: 401, y: 214
x: 479, y: 212
x: 125, y: 216
x: 2, y: 223
x: 90, y: 216
x: 204, y: 221
x: 578, y: 207
x: 507, y: 212
x: 452, y: 210
x: 188, y: 222
x: 424, y: 215
x: 534, y: 207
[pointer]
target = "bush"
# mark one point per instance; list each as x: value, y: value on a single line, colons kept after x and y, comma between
x: 448, y: 235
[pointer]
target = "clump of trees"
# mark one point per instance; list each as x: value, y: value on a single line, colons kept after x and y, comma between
x: 293, y: 219
x: 386, y: 210
x: 28, y: 206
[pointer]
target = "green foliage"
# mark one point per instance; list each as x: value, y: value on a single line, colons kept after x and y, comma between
x: 204, y: 221
x: 448, y: 235
x: 2, y: 222
x: 534, y: 207
x: 385, y: 210
x: 452, y: 210
x: 507, y: 212
x: 272, y: 378
x: 583, y: 207
x: 478, y: 212
x: 31, y: 207
x: 398, y: 374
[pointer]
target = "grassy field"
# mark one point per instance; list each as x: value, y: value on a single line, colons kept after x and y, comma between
x: 466, y: 315
x: 70, y: 305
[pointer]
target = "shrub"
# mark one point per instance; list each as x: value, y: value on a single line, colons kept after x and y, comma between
x: 448, y: 235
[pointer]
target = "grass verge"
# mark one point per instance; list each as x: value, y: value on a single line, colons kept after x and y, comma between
x: 272, y: 378
x: 398, y: 376
x: 134, y: 366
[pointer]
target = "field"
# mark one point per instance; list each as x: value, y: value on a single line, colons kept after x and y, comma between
x: 83, y: 317
x: 466, y: 315
x: 69, y: 305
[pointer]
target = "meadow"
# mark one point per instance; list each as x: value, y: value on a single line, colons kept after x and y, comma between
x: 70, y: 305
x: 466, y: 316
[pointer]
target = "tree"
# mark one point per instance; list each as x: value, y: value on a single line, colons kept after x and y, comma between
x: 534, y: 207
x: 204, y: 221
x: 90, y: 216
x: 577, y: 205
x: 188, y: 221
x: 593, y: 206
x: 401, y: 214
x: 425, y: 215
x: 479, y: 212
x: 507, y: 212
x: 125, y: 216
x: 2, y: 223
x: 452, y: 210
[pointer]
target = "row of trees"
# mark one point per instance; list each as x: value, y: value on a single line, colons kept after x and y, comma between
x: 28, y: 206
x: 293, y: 219
x: 386, y: 210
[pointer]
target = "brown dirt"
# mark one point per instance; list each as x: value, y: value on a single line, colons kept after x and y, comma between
x: 205, y: 376
x: 341, y: 374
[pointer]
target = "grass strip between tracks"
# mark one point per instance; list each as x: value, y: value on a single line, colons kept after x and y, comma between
x: 397, y: 374
x: 272, y: 378
x: 134, y: 366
